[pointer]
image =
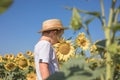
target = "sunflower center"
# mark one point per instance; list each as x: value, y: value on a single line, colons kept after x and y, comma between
x: 10, y: 66
x: 64, y: 48
x: 23, y: 63
x: 83, y: 42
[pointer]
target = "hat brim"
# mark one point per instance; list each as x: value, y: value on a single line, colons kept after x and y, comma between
x: 61, y: 28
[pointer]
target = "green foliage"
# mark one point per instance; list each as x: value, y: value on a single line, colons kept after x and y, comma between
x: 4, y: 5
x: 89, y: 20
x: 97, y: 14
x: 115, y: 27
x: 76, y: 69
x: 114, y: 48
x: 102, y: 43
x: 76, y: 23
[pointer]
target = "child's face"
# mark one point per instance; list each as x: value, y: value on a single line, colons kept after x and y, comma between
x: 57, y: 36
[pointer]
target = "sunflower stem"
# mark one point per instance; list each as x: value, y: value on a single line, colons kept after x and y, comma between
x: 103, y: 14
x: 116, y: 12
x: 102, y: 77
x: 108, y: 42
x: 116, y: 15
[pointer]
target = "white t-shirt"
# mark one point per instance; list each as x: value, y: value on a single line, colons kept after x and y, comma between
x: 43, y: 52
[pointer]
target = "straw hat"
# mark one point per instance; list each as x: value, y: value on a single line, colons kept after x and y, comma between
x: 52, y: 24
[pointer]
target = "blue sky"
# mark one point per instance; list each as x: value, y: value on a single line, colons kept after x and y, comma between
x: 21, y: 22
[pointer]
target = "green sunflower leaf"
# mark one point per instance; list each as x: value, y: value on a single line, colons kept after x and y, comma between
x: 57, y: 76
x: 97, y: 14
x: 77, y: 69
x: 76, y: 22
x: 89, y: 20
x: 94, y: 13
x: 116, y: 27
x: 102, y: 43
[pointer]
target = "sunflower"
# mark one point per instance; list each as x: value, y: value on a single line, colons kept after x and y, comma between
x: 20, y: 55
x: 93, y: 49
x: 32, y: 55
x: 1, y: 59
x: 23, y: 63
x: 10, y: 66
x: 16, y: 59
x: 31, y: 76
x: 94, y: 62
x: 81, y: 35
x: 64, y: 50
x: 117, y: 68
x: 88, y: 60
x: 82, y: 41
x: 6, y: 56
x: 11, y: 56
x: 29, y: 53
x: 32, y: 64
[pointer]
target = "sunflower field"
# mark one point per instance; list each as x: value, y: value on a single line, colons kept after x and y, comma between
x: 20, y: 67
x: 103, y: 62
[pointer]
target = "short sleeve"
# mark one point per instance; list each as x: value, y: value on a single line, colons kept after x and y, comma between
x: 43, y: 52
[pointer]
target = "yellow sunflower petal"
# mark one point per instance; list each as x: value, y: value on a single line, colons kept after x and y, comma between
x: 64, y: 50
